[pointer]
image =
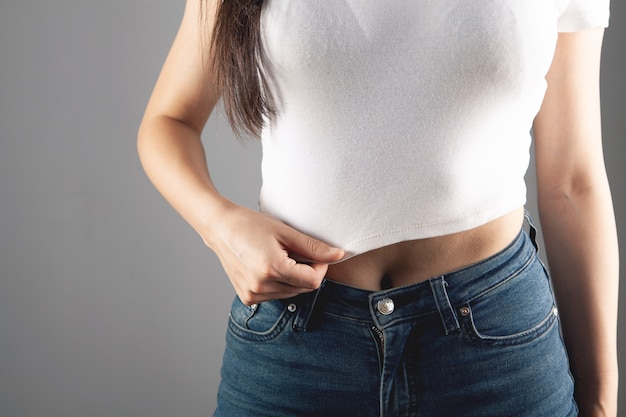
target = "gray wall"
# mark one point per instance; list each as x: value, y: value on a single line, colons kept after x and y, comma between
x: 109, y: 303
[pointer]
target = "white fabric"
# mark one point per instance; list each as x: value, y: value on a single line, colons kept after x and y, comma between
x: 576, y: 15
x: 405, y: 119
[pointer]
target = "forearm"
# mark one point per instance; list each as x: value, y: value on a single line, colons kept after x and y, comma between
x: 580, y: 237
x: 173, y: 157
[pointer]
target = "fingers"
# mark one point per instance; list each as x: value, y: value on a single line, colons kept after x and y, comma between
x: 270, y: 274
x: 301, y: 275
x: 266, y: 259
x: 284, y: 278
x: 306, y: 249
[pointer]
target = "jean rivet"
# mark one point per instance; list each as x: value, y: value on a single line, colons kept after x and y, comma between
x: 464, y: 311
x: 291, y: 308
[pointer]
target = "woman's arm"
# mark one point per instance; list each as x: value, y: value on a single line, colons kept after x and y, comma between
x: 577, y: 218
x: 254, y: 249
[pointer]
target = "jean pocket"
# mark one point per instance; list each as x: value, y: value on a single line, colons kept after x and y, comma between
x: 259, y: 322
x: 517, y: 311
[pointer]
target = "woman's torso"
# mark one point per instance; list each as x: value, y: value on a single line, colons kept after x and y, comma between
x: 403, y: 122
x: 402, y: 130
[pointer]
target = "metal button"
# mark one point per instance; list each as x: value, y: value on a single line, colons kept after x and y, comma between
x: 464, y: 311
x: 292, y: 308
x: 385, y: 306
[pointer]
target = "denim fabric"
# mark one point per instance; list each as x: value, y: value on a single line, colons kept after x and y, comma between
x: 483, y: 341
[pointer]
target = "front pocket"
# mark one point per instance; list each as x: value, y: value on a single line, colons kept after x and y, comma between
x: 519, y: 310
x: 518, y: 338
x: 260, y: 322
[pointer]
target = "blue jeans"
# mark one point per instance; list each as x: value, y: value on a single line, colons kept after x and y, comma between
x: 482, y: 341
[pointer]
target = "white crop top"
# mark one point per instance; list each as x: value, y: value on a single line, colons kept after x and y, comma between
x: 405, y: 119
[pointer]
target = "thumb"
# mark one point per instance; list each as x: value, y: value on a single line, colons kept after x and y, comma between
x: 305, y: 249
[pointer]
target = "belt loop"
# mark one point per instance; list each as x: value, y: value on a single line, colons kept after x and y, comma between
x: 305, y: 304
x: 532, y: 232
x: 446, y: 312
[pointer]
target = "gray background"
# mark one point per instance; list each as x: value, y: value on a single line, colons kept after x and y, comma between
x: 110, y: 305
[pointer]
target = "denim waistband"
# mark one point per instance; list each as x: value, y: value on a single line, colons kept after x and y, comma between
x: 442, y: 294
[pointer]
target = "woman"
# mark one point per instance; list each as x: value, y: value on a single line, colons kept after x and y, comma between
x: 386, y: 273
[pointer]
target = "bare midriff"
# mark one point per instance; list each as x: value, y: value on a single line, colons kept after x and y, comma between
x: 414, y: 261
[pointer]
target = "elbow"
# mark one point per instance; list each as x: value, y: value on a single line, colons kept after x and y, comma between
x: 573, y: 195
x: 146, y: 141
x: 142, y: 138
x: 147, y: 136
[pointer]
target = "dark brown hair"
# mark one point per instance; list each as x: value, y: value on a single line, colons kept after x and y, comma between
x: 237, y: 58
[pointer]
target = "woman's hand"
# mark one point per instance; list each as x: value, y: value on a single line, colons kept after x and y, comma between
x: 266, y: 259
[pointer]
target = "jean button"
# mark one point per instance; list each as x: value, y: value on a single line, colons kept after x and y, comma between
x: 292, y: 308
x: 385, y: 306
